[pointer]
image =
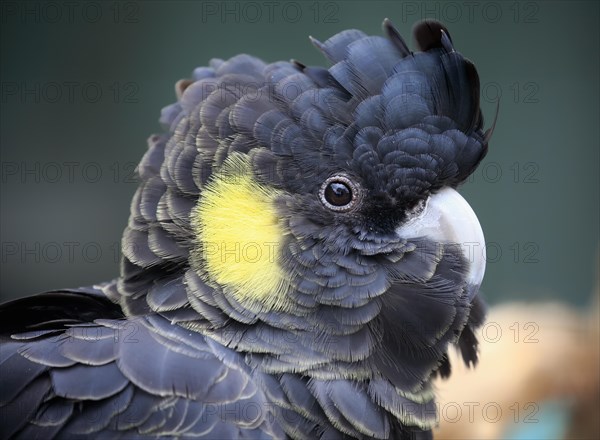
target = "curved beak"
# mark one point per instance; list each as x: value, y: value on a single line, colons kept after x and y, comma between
x: 447, y: 218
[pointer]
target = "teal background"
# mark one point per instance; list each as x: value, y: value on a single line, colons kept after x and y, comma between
x: 536, y: 193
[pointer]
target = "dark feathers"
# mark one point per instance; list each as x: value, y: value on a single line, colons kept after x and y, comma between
x: 163, y: 351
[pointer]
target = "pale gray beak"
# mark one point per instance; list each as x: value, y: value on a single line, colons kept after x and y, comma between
x: 447, y: 218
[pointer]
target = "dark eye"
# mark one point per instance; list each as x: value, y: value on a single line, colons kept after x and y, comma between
x: 339, y: 193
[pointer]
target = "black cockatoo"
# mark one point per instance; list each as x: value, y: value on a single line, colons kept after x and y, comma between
x: 297, y: 262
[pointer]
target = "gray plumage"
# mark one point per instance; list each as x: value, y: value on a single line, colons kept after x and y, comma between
x: 162, y: 351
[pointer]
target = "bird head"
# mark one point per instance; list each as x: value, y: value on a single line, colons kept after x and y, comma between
x: 318, y: 204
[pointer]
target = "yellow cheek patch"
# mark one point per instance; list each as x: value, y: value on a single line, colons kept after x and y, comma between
x: 238, y: 230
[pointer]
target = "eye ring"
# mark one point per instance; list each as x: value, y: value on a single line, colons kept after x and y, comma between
x: 339, y: 193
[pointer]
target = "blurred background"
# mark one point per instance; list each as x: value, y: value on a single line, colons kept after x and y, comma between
x: 82, y: 85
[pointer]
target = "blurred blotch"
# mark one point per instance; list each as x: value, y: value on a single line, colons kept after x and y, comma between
x: 538, y: 377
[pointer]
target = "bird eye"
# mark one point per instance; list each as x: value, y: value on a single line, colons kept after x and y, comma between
x: 339, y: 193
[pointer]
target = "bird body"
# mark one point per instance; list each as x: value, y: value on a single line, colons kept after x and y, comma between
x: 295, y: 262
